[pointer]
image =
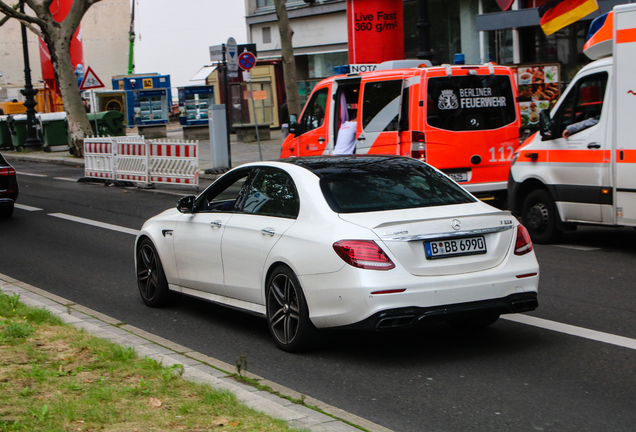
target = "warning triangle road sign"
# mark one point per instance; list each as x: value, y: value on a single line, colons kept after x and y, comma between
x: 91, y: 81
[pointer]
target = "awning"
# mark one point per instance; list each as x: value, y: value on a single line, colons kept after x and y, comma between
x: 203, y: 73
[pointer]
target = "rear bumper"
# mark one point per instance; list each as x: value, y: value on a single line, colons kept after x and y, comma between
x: 411, y: 316
x: 6, y: 202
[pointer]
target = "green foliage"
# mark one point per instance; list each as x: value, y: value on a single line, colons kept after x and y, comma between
x: 42, y: 414
x: 16, y: 330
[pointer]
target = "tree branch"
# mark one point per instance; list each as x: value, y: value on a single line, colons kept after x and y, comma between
x: 14, y: 13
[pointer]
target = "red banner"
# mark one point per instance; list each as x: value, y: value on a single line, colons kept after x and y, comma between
x: 59, y: 10
x: 376, y: 31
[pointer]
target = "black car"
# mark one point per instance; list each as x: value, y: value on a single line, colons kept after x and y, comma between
x: 8, y: 188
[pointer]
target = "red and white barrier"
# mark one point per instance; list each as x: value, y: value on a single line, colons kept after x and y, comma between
x: 174, y: 162
x: 99, y: 161
x: 136, y: 159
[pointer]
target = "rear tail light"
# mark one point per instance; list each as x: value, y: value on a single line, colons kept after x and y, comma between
x: 8, y: 171
x: 364, y: 254
x: 523, y: 245
x: 418, y: 145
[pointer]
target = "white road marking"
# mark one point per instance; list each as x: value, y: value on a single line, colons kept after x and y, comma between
x: 573, y: 330
x: 65, y: 179
x: 95, y: 223
x: 31, y: 174
x: 26, y: 207
x: 581, y: 248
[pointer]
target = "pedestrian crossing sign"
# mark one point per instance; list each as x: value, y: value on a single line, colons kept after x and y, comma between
x: 91, y: 81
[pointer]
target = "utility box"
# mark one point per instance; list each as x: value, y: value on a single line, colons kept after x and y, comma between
x: 148, y: 97
x: 218, y: 137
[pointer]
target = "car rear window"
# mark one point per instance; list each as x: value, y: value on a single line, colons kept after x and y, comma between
x: 390, y: 187
x: 471, y: 102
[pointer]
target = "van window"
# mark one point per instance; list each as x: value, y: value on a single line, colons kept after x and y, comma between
x: 584, y: 101
x: 381, y: 106
x: 314, y: 114
x: 472, y: 102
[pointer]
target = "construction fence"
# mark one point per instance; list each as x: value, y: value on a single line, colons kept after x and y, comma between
x: 136, y: 159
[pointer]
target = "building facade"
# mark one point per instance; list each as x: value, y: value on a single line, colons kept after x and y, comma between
x: 104, y: 32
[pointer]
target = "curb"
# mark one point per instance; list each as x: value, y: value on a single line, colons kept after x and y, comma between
x: 198, y: 367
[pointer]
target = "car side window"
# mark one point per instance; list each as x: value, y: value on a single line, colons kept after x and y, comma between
x: 223, y: 195
x: 271, y: 193
x: 314, y: 115
x: 583, y: 101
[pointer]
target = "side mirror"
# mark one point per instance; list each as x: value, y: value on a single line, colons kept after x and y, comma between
x: 545, y: 126
x: 186, y: 204
x: 293, y: 124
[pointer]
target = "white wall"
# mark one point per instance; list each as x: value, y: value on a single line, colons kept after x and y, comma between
x: 310, y: 31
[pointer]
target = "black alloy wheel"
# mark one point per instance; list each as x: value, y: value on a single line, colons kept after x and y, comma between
x: 539, y: 216
x: 287, y: 312
x: 152, y: 282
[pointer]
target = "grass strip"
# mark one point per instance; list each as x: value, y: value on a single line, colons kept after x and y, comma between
x: 54, y: 377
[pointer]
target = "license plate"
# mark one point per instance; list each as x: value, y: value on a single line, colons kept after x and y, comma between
x: 459, y: 177
x: 455, y: 247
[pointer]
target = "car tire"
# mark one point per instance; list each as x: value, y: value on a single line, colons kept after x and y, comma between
x: 539, y: 215
x: 287, y: 312
x: 151, y: 280
x: 6, y: 212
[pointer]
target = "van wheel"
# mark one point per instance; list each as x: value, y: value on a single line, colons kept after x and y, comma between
x: 287, y: 312
x: 539, y: 216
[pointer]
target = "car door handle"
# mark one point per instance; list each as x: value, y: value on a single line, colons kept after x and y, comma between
x: 321, y: 140
x: 215, y: 224
x: 268, y: 232
x: 361, y: 138
x: 594, y: 145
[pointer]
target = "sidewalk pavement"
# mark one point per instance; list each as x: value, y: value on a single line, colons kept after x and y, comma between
x: 198, y: 367
x: 240, y: 152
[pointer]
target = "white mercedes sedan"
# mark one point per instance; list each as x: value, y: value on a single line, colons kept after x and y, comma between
x: 363, y: 242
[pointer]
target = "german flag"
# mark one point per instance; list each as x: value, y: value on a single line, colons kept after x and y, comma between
x: 557, y: 14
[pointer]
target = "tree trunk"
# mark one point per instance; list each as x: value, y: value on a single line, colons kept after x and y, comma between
x: 79, y: 125
x: 289, y: 62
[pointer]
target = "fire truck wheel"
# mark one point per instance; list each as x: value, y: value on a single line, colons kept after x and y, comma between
x: 540, y: 217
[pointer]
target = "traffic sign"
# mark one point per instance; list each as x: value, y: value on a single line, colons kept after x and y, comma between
x: 91, y: 81
x: 246, y: 60
x: 232, y: 55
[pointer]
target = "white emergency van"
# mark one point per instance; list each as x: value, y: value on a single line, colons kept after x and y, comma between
x: 587, y: 176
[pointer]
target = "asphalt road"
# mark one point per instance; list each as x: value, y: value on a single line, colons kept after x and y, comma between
x: 510, y: 377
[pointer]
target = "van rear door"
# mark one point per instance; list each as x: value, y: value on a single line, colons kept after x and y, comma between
x: 378, y: 118
x: 625, y: 65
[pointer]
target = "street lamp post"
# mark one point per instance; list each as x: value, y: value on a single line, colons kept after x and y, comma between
x: 32, y: 142
x: 423, y: 25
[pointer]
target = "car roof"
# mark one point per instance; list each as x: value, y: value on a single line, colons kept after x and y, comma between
x: 362, y: 164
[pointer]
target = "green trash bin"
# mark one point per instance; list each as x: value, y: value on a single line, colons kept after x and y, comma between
x: 5, y: 135
x: 54, y: 128
x: 109, y: 123
x: 18, y: 129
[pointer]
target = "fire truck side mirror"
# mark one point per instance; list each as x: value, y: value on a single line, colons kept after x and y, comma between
x: 546, y: 128
x: 293, y: 124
